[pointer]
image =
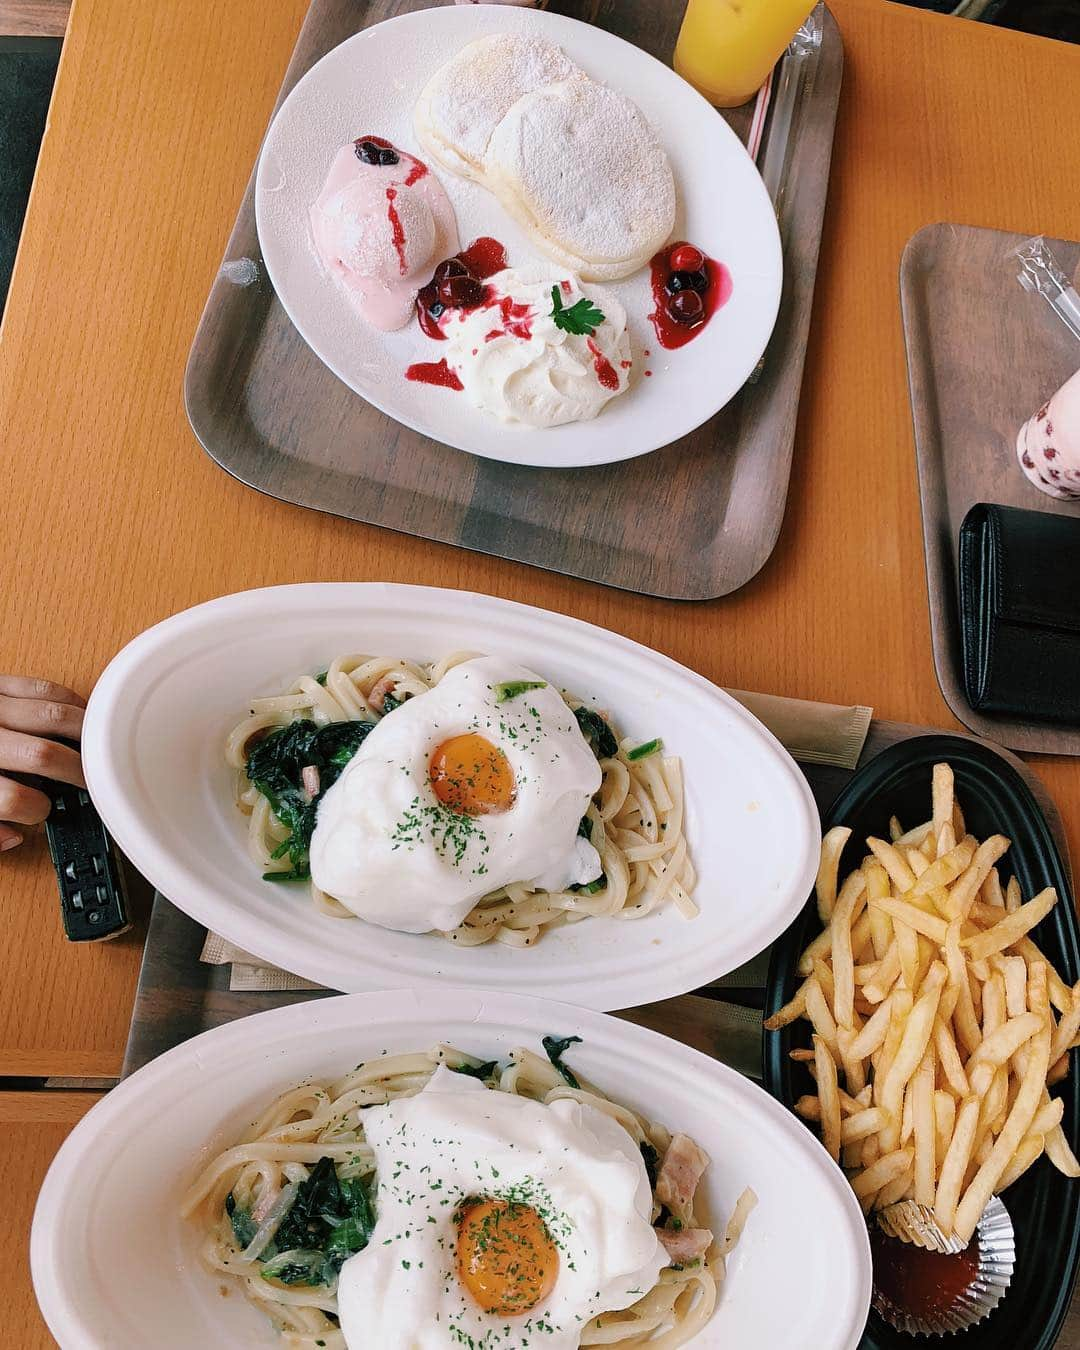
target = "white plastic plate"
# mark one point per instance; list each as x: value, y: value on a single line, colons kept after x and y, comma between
x: 153, y: 752
x: 369, y: 85
x: 114, y: 1265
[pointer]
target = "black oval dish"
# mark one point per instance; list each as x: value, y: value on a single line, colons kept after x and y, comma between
x: 1044, y: 1205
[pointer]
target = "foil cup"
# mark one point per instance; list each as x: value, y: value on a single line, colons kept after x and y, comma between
x: 915, y: 1223
x: 997, y: 1257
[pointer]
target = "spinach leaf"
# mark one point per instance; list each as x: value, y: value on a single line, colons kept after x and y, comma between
x: 596, y: 731
x: 590, y: 887
x: 390, y: 702
x: 481, y: 1071
x: 651, y: 1159
x: 276, y: 765
x: 584, y: 828
x: 555, y: 1047
x: 243, y: 1225
x: 330, y: 1217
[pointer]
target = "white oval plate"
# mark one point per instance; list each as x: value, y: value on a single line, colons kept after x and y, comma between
x: 153, y: 752
x: 369, y: 84
x: 114, y: 1265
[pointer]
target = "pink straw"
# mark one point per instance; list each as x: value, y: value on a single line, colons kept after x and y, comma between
x: 757, y: 122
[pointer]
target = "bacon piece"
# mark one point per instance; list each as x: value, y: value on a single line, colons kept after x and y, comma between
x: 684, y: 1245
x: 379, y: 691
x: 680, y: 1173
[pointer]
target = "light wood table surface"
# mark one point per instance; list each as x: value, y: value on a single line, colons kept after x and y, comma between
x: 111, y: 517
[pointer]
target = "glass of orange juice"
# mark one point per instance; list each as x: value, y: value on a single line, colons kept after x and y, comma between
x: 726, y: 48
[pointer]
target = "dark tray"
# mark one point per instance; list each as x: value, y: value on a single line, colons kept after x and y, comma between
x: 982, y: 356
x: 693, y: 521
x: 1044, y: 1206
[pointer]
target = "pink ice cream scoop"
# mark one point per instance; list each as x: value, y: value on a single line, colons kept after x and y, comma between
x: 380, y: 224
x: 1048, y: 445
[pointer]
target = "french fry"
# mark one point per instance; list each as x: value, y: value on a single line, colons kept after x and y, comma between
x: 887, y: 1168
x: 917, y: 861
x: 822, y: 944
x: 808, y: 1108
x: 817, y: 1010
x: 1067, y: 1029
x: 949, y: 1058
x: 967, y: 1026
x: 931, y: 925
x: 1048, y: 1115
x: 1000, y: 1046
x: 991, y: 893
x: 831, y: 848
x: 916, y: 837
x: 872, y: 1035
x: 877, y: 888
x: 922, y: 1111
x: 896, y: 830
x: 1014, y: 973
x: 890, y: 858
x: 941, y: 793
x: 907, y: 941
x: 1012, y: 895
x: 828, y: 1097
x: 1030, y: 1149
x: 861, y: 1124
x: 962, y: 894
x: 824, y: 976
x: 944, y: 1124
x: 791, y: 1012
x: 897, y: 1189
x: 1007, y: 931
x: 843, y: 962
x: 853, y: 1066
x: 1060, y: 1154
x: 955, y: 1165
x: 1058, y: 1071
x: 888, y: 972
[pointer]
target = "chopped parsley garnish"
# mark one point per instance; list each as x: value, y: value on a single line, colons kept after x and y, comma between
x: 581, y: 319
x: 512, y: 688
x: 481, y: 1071
x: 644, y: 750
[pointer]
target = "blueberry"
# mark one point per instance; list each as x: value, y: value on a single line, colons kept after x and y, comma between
x: 435, y: 309
x: 367, y: 152
x: 388, y: 156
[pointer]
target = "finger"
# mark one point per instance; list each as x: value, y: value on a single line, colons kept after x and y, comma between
x: 23, y: 804
x: 43, y: 717
x: 33, y: 754
x: 23, y: 686
x: 9, y: 838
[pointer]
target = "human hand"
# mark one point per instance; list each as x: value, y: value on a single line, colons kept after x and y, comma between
x: 31, y: 712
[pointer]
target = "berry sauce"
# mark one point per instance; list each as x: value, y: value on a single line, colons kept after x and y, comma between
x: 605, y: 371
x: 434, y: 372
x: 484, y: 257
x: 397, y: 231
x: 712, y: 282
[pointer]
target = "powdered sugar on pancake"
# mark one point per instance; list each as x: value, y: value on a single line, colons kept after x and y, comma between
x: 468, y: 97
x: 574, y: 162
x: 580, y: 167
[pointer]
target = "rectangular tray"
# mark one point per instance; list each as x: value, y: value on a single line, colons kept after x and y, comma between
x: 983, y: 355
x: 693, y: 521
x: 178, y: 996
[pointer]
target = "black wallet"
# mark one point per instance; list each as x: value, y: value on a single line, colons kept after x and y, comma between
x: 1020, y: 612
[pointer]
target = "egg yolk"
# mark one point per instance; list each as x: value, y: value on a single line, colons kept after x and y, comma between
x: 505, y: 1256
x: 470, y: 775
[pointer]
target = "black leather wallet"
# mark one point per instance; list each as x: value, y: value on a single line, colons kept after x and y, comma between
x: 1020, y: 612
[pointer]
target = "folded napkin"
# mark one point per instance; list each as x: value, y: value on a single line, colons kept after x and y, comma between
x: 816, y: 733
x: 1020, y: 612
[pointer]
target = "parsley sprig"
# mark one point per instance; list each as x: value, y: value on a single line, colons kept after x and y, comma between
x: 582, y: 318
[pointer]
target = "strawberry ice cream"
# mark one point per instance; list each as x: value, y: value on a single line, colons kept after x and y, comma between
x: 380, y: 224
x: 1048, y: 445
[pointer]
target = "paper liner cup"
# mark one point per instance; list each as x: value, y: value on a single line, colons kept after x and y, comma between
x: 914, y: 1223
x: 997, y: 1256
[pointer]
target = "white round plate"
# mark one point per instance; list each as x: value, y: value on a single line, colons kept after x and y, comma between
x: 369, y: 84
x: 114, y: 1265
x: 153, y: 752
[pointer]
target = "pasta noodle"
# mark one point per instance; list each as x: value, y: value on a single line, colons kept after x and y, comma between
x: 313, y: 1121
x: 636, y: 822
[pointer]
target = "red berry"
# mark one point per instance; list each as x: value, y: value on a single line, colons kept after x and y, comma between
x: 687, y: 258
x: 686, y: 307
x: 452, y: 267
x: 460, y: 292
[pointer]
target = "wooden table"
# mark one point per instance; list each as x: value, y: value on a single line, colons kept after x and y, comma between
x: 112, y: 517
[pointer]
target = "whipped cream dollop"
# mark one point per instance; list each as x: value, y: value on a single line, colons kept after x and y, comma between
x: 379, y: 228
x: 524, y: 355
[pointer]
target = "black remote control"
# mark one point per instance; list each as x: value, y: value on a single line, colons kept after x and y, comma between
x: 93, y: 899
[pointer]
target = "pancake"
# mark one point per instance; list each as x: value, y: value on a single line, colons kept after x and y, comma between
x: 467, y: 98
x: 579, y: 167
